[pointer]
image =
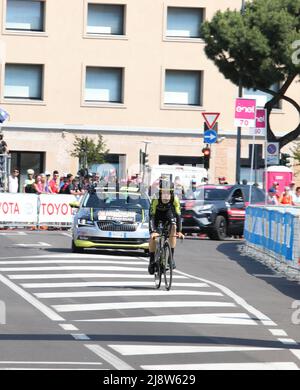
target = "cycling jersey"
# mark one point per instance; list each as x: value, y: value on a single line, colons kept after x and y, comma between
x: 165, y: 212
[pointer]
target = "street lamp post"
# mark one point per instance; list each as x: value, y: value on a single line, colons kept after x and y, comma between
x: 239, y: 130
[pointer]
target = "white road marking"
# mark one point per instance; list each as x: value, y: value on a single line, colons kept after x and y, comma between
x: 296, y: 352
x: 85, y: 275
x: 123, y: 293
x: 74, y: 256
x: 32, y: 300
x: 73, y: 268
x: 267, y: 276
x: 68, y: 327
x: 80, y: 336
x: 39, y: 244
x: 109, y: 357
x: 137, y: 305
x: 133, y: 350
x: 214, y: 318
x: 278, y: 332
x: 287, y: 341
x: 225, y: 366
x: 13, y: 234
x: 86, y: 261
x: 107, y: 284
x: 48, y: 369
x: 54, y: 363
x: 239, y: 300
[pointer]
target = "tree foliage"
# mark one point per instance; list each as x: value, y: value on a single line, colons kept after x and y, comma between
x: 257, y: 49
x: 88, y: 151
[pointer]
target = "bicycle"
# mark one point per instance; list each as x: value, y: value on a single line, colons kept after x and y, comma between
x: 163, y: 260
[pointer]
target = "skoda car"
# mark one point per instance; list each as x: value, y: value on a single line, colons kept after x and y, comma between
x: 219, y: 210
x: 110, y: 218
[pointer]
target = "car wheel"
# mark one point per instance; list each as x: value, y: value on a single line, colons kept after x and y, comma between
x: 75, y: 248
x: 220, y: 229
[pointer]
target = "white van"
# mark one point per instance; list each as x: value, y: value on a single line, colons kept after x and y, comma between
x: 184, y: 172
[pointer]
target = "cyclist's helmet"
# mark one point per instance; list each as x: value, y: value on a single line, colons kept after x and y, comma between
x: 166, y: 185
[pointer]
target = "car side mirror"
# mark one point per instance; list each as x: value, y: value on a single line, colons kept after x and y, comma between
x: 74, y: 205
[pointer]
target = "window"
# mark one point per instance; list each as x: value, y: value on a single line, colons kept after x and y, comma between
x: 184, y: 22
x: 105, y: 19
x: 262, y: 97
x: 23, y: 81
x: 104, y: 85
x: 25, y: 15
x: 183, y: 87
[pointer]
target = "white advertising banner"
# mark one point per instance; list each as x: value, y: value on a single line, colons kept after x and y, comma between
x: 56, y: 208
x: 18, y: 208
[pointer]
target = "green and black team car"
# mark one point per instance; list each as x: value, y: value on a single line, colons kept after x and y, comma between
x: 111, y: 218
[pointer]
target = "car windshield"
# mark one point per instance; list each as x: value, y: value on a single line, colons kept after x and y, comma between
x: 211, y: 194
x: 116, y: 200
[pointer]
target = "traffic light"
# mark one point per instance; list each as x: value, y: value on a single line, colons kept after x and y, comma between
x: 285, y: 160
x: 206, y: 156
x: 146, y: 159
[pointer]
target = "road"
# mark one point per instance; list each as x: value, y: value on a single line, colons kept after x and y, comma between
x: 99, y: 310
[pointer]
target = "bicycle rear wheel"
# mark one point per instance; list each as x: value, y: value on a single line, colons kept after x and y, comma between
x: 157, y: 270
x: 167, y: 265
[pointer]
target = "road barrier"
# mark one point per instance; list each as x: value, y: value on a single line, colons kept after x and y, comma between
x: 272, y: 235
x: 31, y: 210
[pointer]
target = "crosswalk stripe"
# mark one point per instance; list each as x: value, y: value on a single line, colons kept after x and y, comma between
x: 86, y: 261
x: 122, y: 293
x: 225, y: 366
x: 107, y: 284
x: 73, y: 256
x: 213, y: 318
x: 137, y: 305
x: 85, y: 275
x: 133, y: 350
x: 73, y: 268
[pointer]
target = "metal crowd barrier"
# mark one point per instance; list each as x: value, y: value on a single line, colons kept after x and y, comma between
x: 272, y: 236
x: 31, y: 210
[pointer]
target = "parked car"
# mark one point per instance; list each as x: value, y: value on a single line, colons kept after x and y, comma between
x: 219, y: 210
x: 110, y: 218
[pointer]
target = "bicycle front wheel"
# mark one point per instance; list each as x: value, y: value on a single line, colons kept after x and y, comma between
x: 167, y: 265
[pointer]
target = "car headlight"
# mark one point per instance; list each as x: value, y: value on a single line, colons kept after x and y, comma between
x: 85, y: 222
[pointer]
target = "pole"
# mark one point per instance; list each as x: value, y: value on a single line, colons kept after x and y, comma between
x: 239, y: 130
x: 251, y: 169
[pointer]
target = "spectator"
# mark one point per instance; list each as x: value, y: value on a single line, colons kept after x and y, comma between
x: 286, y: 197
x: 292, y: 186
x: 38, y: 185
x: 277, y: 190
x: 272, y: 198
x: 190, y: 194
x: 296, y: 197
x: 47, y: 184
x: 75, y: 187
x: 178, y: 188
x: 13, y: 181
x: 28, y: 184
x: 3, y: 144
x: 54, y: 183
x: 244, y: 182
x: 66, y: 187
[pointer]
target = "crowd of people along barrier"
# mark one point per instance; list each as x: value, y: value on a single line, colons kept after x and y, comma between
x: 272, y: 235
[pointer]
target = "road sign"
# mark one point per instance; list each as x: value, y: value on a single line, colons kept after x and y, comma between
x: 272, y: 153
x: 261, y: 123
x: 210, y: 118
x: 245, y: 112
x: 210, y: 137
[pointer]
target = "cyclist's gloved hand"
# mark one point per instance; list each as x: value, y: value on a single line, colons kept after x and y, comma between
x: 180, y: 235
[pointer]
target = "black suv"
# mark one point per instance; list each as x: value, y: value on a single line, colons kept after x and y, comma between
x: 218, y: 210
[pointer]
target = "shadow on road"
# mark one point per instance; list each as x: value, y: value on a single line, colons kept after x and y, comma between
x: 258, y: 270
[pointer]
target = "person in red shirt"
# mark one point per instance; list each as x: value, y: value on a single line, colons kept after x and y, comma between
x: 286, y: 197
x: 54, y: 183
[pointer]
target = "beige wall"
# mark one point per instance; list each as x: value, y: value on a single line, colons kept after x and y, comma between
x: 144, y: 53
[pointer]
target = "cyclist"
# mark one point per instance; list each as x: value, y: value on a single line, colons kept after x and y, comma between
x: 165, y: 207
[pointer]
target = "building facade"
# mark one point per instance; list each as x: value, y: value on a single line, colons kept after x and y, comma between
x: 134, y: 71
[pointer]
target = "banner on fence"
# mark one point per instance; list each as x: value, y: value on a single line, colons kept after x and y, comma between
x: 19, y: 208
x: 55, y: 209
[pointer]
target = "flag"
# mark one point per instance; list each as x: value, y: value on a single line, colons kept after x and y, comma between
x: 3, y: 115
